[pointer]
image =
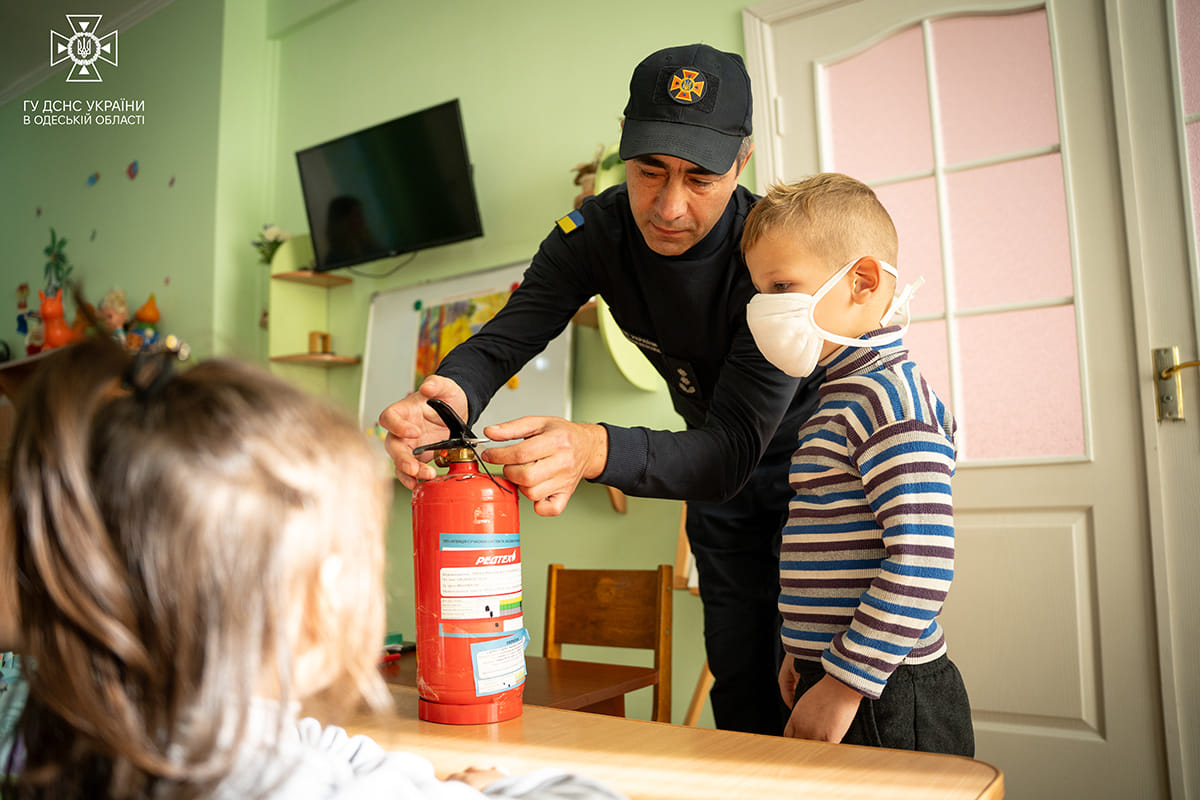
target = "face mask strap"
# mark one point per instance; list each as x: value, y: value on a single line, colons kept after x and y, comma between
x: 901, y: 301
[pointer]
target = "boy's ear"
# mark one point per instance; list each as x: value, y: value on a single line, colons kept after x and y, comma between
x: 866, y: 275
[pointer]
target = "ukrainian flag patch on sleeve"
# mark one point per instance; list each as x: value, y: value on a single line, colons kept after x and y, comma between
x: 570, y: 222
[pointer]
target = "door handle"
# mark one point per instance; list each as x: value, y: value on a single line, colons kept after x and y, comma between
x: 1168, y: 385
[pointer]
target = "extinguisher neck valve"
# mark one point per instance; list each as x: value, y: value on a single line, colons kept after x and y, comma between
x: 455, y: 455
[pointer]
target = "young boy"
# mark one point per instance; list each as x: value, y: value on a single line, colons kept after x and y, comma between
x: 868, y: 549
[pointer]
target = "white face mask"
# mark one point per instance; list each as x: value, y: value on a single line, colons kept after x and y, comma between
x: 785, y: 328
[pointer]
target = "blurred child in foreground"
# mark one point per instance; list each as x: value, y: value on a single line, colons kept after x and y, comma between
x: 199, y: 553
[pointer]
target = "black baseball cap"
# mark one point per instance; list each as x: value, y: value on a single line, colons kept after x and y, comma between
x: 691, y: 102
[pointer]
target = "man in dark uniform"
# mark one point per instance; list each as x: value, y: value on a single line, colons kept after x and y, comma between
x: 662, y: 249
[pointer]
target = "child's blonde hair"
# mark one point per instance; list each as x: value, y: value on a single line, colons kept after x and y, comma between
x: 180, y: 540
x: 834, y: 216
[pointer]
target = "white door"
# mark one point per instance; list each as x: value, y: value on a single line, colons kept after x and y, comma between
x: 987, y: 130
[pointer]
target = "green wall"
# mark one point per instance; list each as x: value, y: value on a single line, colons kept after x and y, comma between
x: 149, y: 236
x: 234, y: 87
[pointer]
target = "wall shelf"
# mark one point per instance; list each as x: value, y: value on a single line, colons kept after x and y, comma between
x: 295, y: 252
x: 311, y: 278
x: 318, y: 359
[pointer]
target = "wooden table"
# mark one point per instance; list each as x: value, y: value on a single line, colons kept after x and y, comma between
x: 16, y: 373
x: 659, y: 761
x: 558, y: 683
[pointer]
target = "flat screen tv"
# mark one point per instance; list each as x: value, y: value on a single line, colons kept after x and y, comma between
x: 393, y: 188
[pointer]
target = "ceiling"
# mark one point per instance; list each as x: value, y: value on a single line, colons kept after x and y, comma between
x: 26, y: 25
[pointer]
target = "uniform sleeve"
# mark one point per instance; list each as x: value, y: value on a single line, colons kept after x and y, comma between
x: 712, y: 461
x: 550, y: 293
x: 906, y: 468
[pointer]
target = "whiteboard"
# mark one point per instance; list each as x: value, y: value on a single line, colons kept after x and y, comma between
x: 542, y: 388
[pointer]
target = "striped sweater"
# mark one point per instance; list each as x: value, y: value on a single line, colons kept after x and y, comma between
x: 868, y: 549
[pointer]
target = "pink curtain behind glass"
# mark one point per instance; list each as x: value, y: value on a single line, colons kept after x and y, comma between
x: 879, y: 110
x: 1008, y: 226
x: 1020, y: 376
x: 1193, y: 149
x: 912, y: 206
x: 1187, y: 24
x: 995, y: 85
x: 1005, y: 218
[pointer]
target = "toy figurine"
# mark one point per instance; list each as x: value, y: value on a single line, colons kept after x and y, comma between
x: 114, y: 311
x: 57, y: 331
x: 144, y: 330
x: 22, y: 308
x: 34, y: 338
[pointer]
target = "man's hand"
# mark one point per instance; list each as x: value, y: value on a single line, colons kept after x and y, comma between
x: 824, y: 712
x: 411, y: 423
x: 551, y: 461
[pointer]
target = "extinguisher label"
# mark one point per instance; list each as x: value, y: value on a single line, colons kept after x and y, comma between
x: 499, y: 664
x: 489, y: 607
x: 468, y: 581
x: 479, y: 577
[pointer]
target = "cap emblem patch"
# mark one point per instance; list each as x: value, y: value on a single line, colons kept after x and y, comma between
x: 687, y: 86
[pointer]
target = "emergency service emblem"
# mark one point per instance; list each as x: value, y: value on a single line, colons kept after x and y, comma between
x: 84, y: 48
x: 687, y: 86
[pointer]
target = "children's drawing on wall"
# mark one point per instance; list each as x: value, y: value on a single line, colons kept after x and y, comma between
x: 443, y: 327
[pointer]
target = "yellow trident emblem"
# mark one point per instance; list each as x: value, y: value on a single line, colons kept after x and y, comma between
x: 687, y: 86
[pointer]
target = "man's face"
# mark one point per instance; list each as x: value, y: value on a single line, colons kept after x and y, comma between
x: 674, y: 202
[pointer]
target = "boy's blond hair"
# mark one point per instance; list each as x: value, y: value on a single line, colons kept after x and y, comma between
x: 834, y: 216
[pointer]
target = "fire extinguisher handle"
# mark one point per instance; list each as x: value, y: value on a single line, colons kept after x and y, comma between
x: 460, y: 434
x: 458, y: 428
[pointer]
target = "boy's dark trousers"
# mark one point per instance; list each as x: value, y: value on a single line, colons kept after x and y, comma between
x: 923, y: 707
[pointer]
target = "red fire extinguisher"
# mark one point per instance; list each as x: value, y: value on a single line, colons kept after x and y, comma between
x: 471, y: 634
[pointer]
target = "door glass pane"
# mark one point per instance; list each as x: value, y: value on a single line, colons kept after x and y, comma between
x: 913, y: 208
x: 1187, y: 34
x: 879, y: 109
x: 1008, y: 225
x: 1193, y: 151
x: 995, y: 85
x: 1016, y: 368
x: 1187, y: 25
x: 986, y: 218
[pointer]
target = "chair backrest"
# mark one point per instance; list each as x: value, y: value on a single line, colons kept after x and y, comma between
x: 613, y: 608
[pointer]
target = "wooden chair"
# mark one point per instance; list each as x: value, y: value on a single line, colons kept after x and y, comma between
x: 613, y: 608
